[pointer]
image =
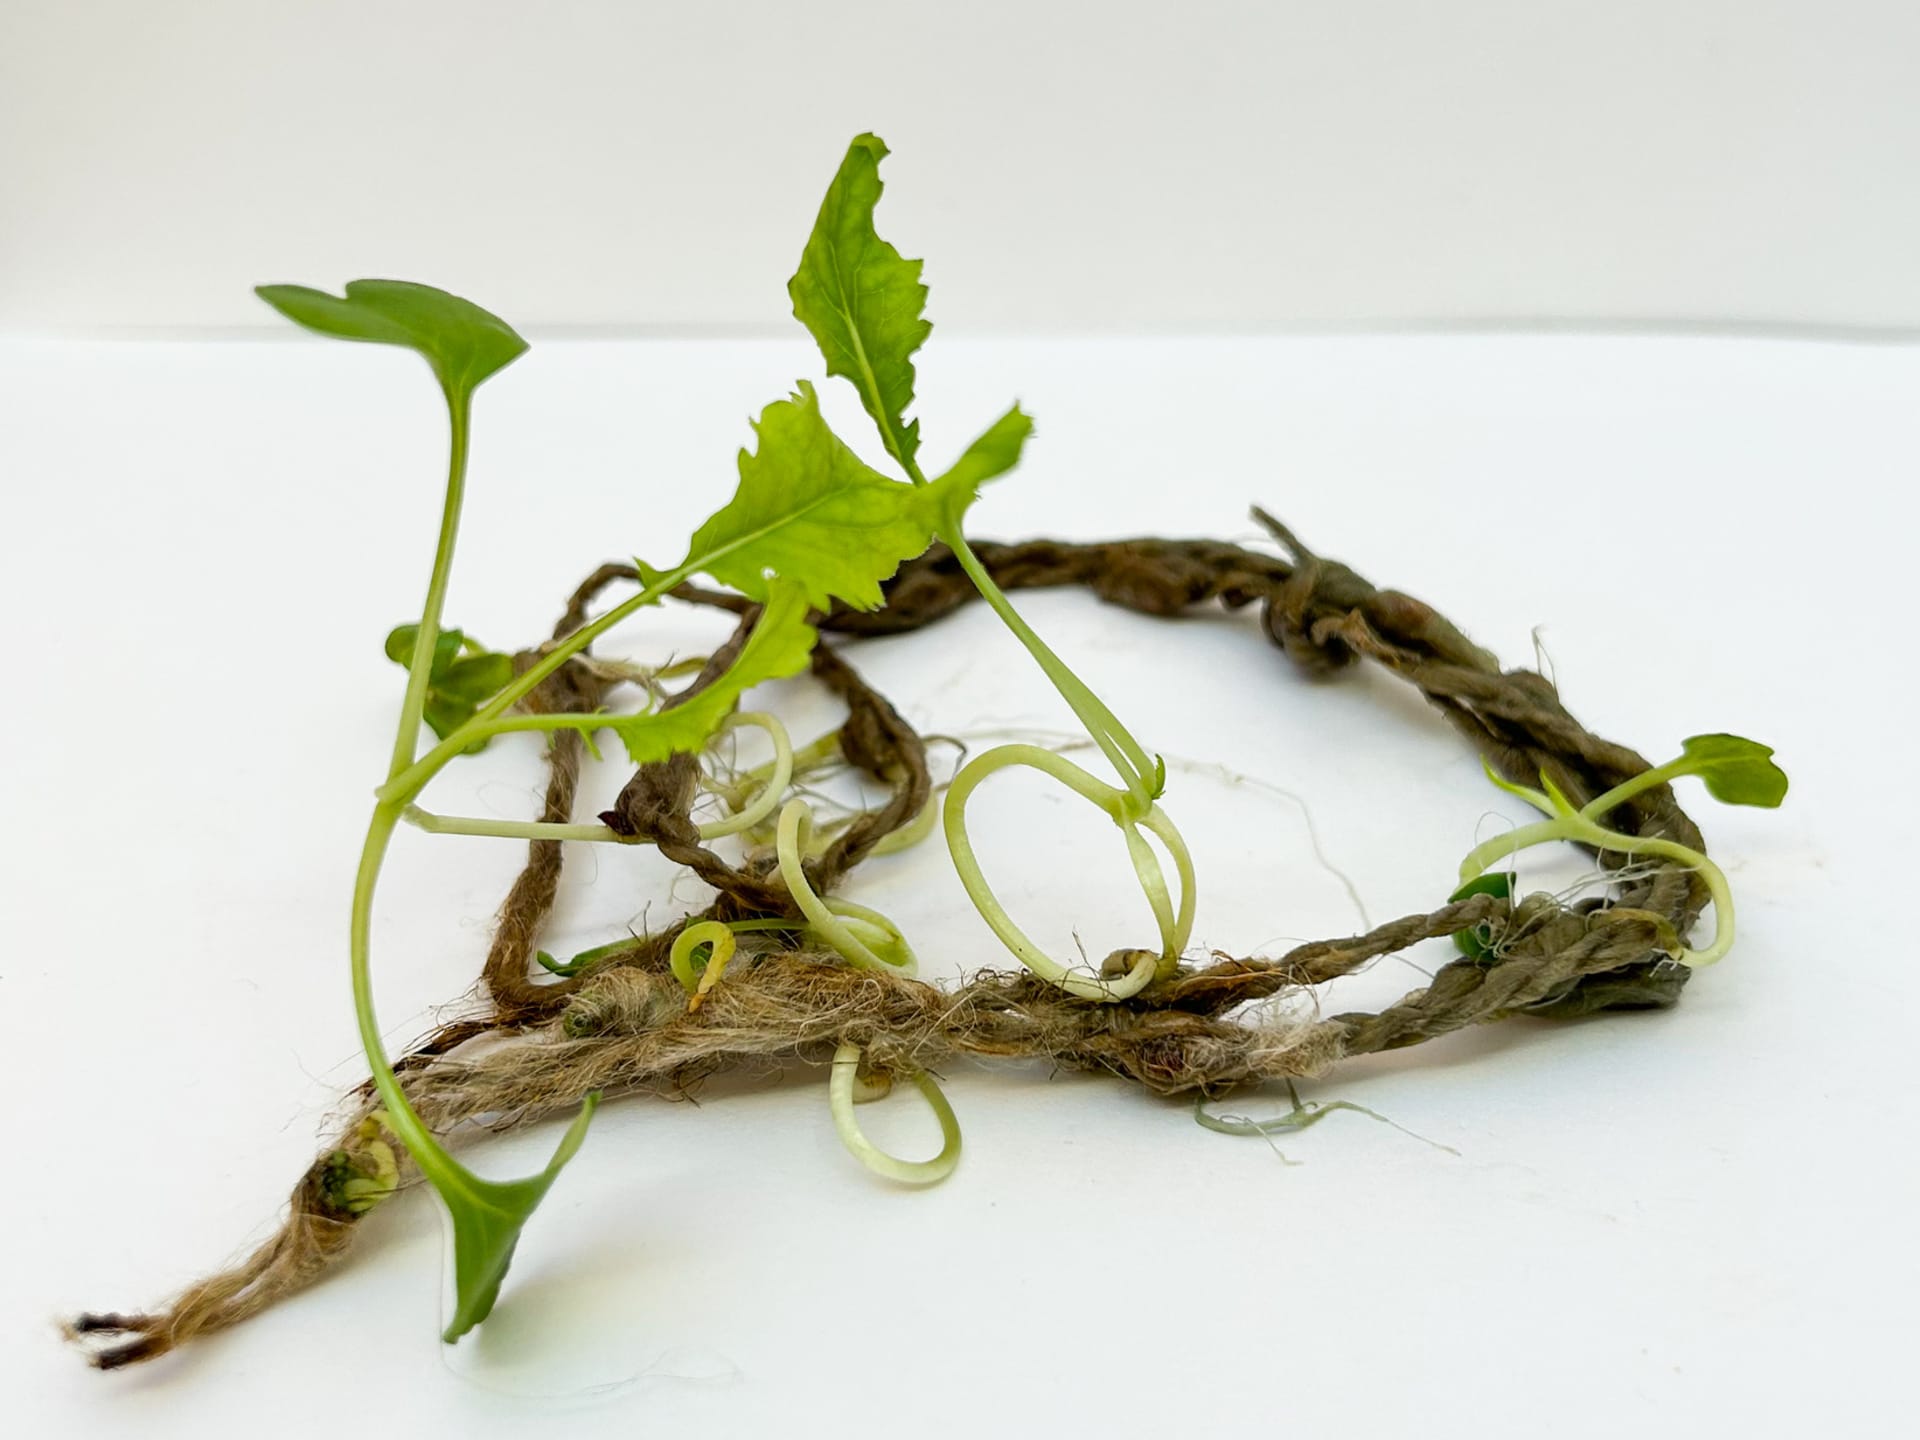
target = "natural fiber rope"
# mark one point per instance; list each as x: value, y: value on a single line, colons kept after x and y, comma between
x: 626, y: 1026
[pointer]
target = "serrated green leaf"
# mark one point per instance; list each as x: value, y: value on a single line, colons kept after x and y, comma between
x: 864, y: 304
x: 463, y: 343
x: 809, y: 510
x: 488, y: 1216
x: 992, y: 455
x: 781, y: 645
x: 1736, y: 771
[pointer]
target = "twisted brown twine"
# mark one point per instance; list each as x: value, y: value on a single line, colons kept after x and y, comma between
x: 625, y: 1026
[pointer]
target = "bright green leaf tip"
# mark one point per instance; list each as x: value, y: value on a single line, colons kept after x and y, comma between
x: 1735, y: 770
x: 463, y: 343
x: 488, y: 1216
x: 990, y: 456
x: 863, y: 301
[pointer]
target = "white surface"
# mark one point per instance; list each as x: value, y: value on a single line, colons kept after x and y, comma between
x: 1066, y: 166
x: 1681, y: 1224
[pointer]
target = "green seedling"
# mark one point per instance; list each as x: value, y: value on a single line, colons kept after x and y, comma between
x: 865, y: 305
x: 807, y: 525
x: 1735, y: 770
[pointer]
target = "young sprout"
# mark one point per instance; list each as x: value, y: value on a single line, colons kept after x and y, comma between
x: 1735, y: 770
x: 836, y: 921
x: 808, y: 524
x: 865, y: 306
x: 464, y: 345
x: 844, y: 1093
x: 717, y: 940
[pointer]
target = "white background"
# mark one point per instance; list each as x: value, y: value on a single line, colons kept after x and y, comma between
x: 1679, y: 1224
x: 1685, y: 1223
x: 1065, y: 166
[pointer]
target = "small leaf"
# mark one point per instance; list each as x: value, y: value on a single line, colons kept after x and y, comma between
x: 781, y: 644
x: 586, y: 959
x: 1737, y: 771
x: 444, y: 716
x: 463, y: 343
x: 475, y: 678
x: 987, y: 458
x: 812, y: 511
x: 1471, y: 942
x: 864, y: 304
x: 446, y: 647
x: 1498, y: 883
x: 488, y: 1216
x: 457, y: 685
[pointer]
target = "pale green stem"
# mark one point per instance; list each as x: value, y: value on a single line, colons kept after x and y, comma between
x: 1627, y: 789
x: 1175, y: 929
x: 795, y: 824
x: 840, y: 1091
x: 413, y: 705
x: 737, y: 791
x: 782, y: 772
x: 775, y: 785
x: 488, y: 721
x: 511, y: 829
x: 1136, y: 770
x: 912, y: 833
x: 412, y: 1131
x: 1581, y: 828
x: 1500, y: 846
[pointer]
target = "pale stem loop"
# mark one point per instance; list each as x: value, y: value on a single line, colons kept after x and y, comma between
x: 775, y: 784
x: 1581, y: 827
x: 842, y: 1098
x: 1175, y: 924
x: 718, y: 938
x: 829, y: 919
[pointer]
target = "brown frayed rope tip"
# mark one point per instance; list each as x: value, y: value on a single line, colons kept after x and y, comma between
x: 625, y: 1024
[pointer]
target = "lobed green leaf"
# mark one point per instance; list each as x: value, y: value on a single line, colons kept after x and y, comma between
x: 862, y: 301
x: 781, y: 645
x: 1736, y: 771
x: 813, y: 512
x: 463, y: 343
